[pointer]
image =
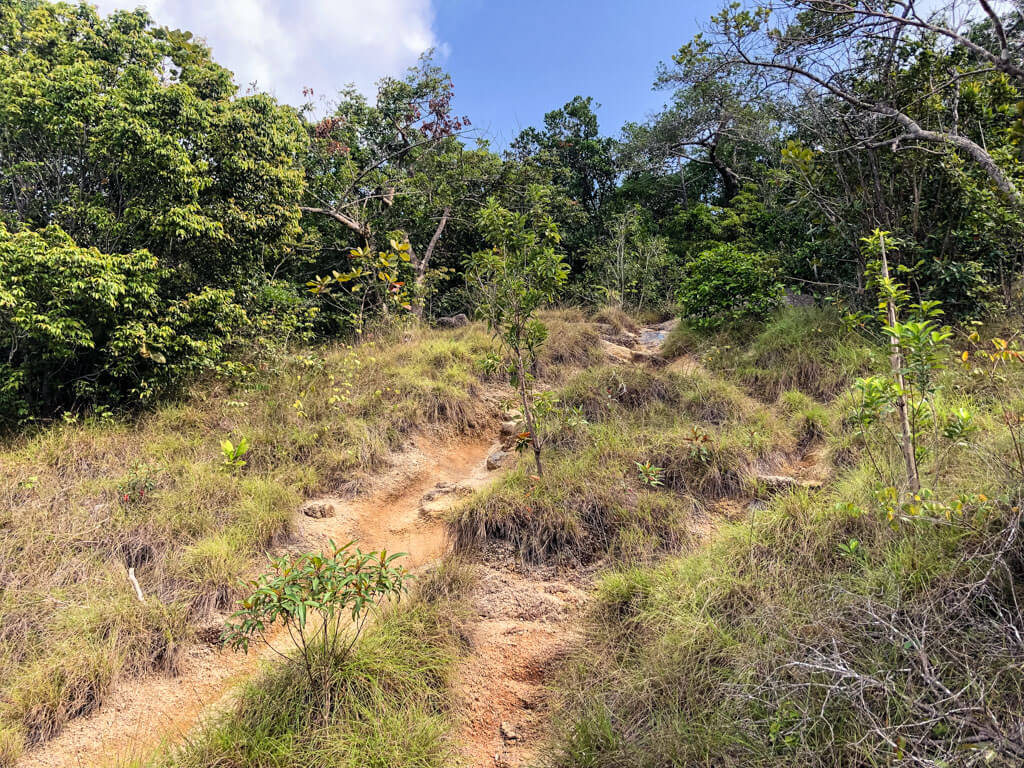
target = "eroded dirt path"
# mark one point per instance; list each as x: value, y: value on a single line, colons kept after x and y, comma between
x: 523, y: 625
x: 400, y: 513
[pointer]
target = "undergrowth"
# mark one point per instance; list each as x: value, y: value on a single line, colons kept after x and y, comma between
x: 822, y: 630
x: 392, y: 703
x: 704, y: 437
x: 802, y: 348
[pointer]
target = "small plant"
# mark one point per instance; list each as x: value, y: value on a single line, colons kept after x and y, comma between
x: 524, y: 440
x: 140, y: 483
x: 851, y: 550
x: 960, y: 427
x: 311, y: 595
x: 573, y: 417
x: 700, y: 445
x: 233, y: 454
x: 490, y: 364
x: 650, y: 475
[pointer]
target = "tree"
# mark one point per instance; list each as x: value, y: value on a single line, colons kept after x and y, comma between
x: 129, y: 136
x: 825, y: 48
x: 572, y: 156
x: 519, y: 273
x: 719, y: 116
x: 142, y: 206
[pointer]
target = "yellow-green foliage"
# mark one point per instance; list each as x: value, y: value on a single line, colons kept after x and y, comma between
x: 81, y: 502
x: 802, y: 348
x: 818, y: 632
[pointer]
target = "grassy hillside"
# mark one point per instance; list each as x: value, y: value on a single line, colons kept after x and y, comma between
x: 84, y: 500
x: 823, y: 629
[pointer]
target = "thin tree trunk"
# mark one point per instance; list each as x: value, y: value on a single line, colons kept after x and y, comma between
x: 423, y: 263
x: 528, y: 412
x: 896, y: 361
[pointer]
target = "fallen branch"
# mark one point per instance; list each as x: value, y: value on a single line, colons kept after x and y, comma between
x: 135, y: 583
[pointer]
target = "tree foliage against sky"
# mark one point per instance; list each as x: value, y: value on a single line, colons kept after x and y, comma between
x: 791, y: 130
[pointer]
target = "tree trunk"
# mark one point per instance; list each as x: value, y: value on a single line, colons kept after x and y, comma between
x: 730, y: 179
x: 423, y: 263
x: 896, y: 361
x: 528, y: 413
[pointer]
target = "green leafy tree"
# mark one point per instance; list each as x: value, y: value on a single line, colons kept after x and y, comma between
x: 569, y: 154
x: 129, y: 136
x: 724, y: 284
x: 521, y: 271
x: 77, y: 325
x: 313, y: 596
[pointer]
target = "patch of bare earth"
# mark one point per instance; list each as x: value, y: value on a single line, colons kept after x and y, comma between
x: 523, y: 625
x: 398, y: 512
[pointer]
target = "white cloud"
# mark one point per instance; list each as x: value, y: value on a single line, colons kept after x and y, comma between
x: 284, y: 46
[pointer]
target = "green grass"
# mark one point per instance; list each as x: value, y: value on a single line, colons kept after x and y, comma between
x: 318, y: 422
x: 778, y: 645
x: 592, y: 501
x: 801, y: 348
x: 390, y: 697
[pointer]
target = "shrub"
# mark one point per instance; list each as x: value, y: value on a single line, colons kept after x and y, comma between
x: 311, y: 594
x: 724, y: 284
x: 80, y: 326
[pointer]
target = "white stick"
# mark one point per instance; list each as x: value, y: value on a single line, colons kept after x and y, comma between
x: 135, y: 583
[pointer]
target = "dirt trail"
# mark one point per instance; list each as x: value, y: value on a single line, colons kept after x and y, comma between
x: 524, y: 622
x: 140, y: 714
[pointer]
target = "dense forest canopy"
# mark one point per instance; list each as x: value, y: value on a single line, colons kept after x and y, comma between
x: 155, y: 222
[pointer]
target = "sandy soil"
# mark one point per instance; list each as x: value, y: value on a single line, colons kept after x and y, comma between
x: 523, y: 625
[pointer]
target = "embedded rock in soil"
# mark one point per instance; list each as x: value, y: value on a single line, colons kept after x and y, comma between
x: 318, y: 509
x: 495, y: 460
x: 781, y: 483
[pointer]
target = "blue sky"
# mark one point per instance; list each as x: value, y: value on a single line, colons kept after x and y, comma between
x: 511, y: 61
x: 512, y: 66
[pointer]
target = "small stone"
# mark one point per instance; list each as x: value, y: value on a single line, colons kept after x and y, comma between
x: 512, y: 427
x: 494, y: 461
x: 318, y: 509
x: 508, y: 733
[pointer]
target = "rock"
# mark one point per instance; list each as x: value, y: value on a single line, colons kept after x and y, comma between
x: 508, y: 733
x: 495, y: 460
x: 781, y: 483
x: 513, y: 414
x: 318, y: 509
x: 441, y: 489
x: 616, y: 351
x: 453, y: 321
x: 641, y: 356
x: 513, y: 427
x: 627, y: 340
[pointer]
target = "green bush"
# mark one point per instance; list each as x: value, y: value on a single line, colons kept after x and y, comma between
x: 78, y: 326
x: 724, y: 284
